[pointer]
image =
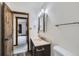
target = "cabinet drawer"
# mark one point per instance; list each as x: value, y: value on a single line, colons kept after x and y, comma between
x: 43, y: 50
x: 40, y: 49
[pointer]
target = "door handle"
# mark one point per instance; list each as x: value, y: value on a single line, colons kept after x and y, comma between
x: 6, y: 39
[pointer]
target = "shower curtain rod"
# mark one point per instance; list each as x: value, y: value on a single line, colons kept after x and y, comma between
x: 66, y: 24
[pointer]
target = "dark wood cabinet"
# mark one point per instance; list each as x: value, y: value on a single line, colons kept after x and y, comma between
x: 42, y: 50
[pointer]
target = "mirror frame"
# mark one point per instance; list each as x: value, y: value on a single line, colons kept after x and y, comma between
x: 41, y: 23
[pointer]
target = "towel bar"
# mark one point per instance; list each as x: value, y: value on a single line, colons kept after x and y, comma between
x: 66, y: 24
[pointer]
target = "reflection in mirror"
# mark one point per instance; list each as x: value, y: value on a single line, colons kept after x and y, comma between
x: 42, y: 23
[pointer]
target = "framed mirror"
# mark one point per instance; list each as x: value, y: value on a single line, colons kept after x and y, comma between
x: 41, y: 23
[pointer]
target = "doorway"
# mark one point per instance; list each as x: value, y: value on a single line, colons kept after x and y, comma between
x: 22, y: 34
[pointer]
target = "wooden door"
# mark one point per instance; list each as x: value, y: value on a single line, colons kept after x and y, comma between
x: 7, y: 30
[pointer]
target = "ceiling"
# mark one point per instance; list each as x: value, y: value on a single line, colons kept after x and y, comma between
x: 29, y: 7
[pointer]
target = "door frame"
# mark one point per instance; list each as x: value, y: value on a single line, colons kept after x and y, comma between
x: 2, y: 28
x: 17, y: 28
x: 27, y: 19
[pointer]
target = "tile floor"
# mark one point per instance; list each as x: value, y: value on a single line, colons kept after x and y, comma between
x: 22, y: 45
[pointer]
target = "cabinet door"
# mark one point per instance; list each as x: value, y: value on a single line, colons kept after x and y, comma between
x: 43, y: 50
x: 7, y: 30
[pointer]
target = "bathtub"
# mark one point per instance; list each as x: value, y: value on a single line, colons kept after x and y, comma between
x: 60, y: 51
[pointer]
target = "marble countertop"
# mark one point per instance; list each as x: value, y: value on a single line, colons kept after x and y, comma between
x: 38, y: 42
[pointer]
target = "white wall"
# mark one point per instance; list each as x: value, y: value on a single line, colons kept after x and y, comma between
x: 66, y: 36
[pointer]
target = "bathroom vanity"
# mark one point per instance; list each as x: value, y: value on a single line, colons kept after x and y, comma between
x: 40, y: 47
